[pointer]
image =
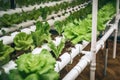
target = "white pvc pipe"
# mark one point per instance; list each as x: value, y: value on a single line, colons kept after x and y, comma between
x: 94, y: 25
x: 94, y: 37
x: 9, y: 66
x: 64, y: 60
x: 38, y: 50
x: 83, y: 62
x: 26, y: 30
x: 115, y: 42
x: 116, y: 30
x: 7, y: 39
x: 106, y: 61
x: 101, y: 42
x: 16, y: 27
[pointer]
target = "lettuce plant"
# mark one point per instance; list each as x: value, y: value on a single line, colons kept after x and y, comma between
x: 5, y: 52
x: 59, y: 27
x: 105, y: 14
x: 14, y: 75
x: 44, y: 12
x: 39, y: 38
x: 5, y: 20
x: 23, y: 41
x: 37, y: 66
x: 57, y: 49
x: 41, y: 34
x: 81, y: 30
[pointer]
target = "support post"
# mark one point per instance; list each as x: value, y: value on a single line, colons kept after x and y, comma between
x: 106, y: 59
x: 12, y: 4
x: 116, y: 30
x: 94, y: 36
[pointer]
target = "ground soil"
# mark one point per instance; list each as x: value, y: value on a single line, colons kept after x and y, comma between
x: 113, y: 69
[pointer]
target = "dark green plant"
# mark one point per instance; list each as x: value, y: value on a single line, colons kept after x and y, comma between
x: 14, y: 75
x: 4, y: 5
x: 5, y: 52
x: 59, y: 27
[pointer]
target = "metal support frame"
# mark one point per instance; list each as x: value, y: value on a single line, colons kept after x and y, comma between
x: 94, y: 37
x: 106, y: 59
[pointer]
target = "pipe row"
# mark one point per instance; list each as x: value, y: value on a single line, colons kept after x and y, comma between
x: 30, y: 8
x: 100, y: 43
x: 83, y: 62
x: 31, y: 22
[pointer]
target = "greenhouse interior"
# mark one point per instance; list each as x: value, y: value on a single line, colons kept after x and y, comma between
x: 59, y: 39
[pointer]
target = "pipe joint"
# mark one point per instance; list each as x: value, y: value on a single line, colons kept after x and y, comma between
x: 102, y: 45
x: 87, y: 57
x: 93, y: 66
x: 116, y: 29
x: 118, y: 17
x: 78, y: 69
x: 109, y: 24
x: 86, y: 52
x: 93, y: 50
x: 71, y: 59
x: 116, y: 24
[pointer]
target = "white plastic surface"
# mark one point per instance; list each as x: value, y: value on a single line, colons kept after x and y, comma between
x: 9, y: 66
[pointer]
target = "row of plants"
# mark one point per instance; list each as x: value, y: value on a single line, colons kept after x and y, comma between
x: 34, y: 66
x: 24, y: 42
x: 4, y: 4
x: 80, y: 30
x: 31, y: 2
x: 21, y: 3
x: 77, y: 29
x: 9, y: 20
x: 74, y: 31
x: 83, y: 12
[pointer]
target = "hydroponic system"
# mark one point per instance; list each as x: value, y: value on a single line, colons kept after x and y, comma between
x: 40, y: 38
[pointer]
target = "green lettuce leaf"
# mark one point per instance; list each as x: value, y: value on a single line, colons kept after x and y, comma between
x: 23, y: 41
x: 5, y: 52
x: 57, y: 49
